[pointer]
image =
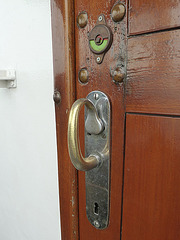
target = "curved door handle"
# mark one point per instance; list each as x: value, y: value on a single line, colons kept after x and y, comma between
x: 93, y: 124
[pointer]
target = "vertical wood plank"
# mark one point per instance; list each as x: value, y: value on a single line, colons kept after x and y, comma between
x: 64, y: 82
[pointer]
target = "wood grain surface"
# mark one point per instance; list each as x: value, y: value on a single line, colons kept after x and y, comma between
x: 149, y: 16
x: 100, y: 79
x: 64, y: 81
x: 151, y: 202
x: 153, y: 76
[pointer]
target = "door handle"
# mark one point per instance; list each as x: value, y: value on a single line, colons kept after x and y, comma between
x: 94, y: 125
x: 96, y: 162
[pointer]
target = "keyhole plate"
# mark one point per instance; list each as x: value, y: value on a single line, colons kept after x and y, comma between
x: 98, y: 179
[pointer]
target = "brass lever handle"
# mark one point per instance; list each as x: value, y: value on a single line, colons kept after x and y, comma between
x: 94, y: 122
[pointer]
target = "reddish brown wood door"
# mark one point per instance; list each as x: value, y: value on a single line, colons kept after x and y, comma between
x: 145, y: 116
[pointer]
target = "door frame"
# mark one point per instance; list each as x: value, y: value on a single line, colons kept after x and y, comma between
x: 64, y: 82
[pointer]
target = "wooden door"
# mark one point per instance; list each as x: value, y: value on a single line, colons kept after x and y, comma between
x: 145, y: 134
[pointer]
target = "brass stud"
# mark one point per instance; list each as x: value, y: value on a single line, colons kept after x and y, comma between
x: 82, y: 19
x: 118, y: 12
x: 83, y: 75
x: 57, y: 97
x: 118, y: 75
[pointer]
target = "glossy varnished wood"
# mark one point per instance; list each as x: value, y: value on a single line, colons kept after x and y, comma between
x: 100, y: 79
x: 148, y: 16
x: 151, y: 202
x: 153, y: 76
x: 64, y: 78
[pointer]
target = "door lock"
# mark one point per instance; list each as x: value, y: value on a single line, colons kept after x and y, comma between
x: 96, y: 162
x: 100, y: 39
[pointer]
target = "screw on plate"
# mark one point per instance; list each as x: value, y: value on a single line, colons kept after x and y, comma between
x: 96, y: 96
x: 96, y: 224
x: 100, y: 18
x: 98, y: 59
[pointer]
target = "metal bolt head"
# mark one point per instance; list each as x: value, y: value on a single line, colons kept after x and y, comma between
x: 100, y: 18
x: 118, y: 12
x: 57, y: 97
x: 83, y: 75
x: 82, y: 19
x: 118, y: 75
x: 96, y: 224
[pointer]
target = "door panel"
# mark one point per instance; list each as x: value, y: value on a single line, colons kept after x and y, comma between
x: 151, y: 202
x: 153, y: 84
x: 154, y: 15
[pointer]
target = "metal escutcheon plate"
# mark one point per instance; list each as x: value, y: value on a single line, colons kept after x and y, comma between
x: 98, y: 179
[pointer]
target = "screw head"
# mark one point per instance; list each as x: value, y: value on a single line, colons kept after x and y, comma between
x: 98, y: 59
x: 83, y: 75
x: 57, y: 97
x: 96, y: 96
x: 100, y: 18
x: 96, y: 224
x: 82, y: 19
x: 118, y: 12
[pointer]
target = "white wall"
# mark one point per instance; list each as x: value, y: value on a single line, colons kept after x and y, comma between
x: 29, y: 205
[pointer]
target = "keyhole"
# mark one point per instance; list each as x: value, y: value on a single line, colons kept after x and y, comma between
x: 96, y: 208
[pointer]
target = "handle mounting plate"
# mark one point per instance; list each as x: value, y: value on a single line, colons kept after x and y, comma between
x: 98, y: 179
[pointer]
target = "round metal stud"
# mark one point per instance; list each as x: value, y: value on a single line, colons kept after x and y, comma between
x: 57, y: 97
x: 118, y: 12
x: 83, y: 75
x: 118, y: 75
x: 82, y: 19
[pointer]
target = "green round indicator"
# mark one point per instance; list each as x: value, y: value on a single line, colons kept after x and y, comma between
x: 96, y: 47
